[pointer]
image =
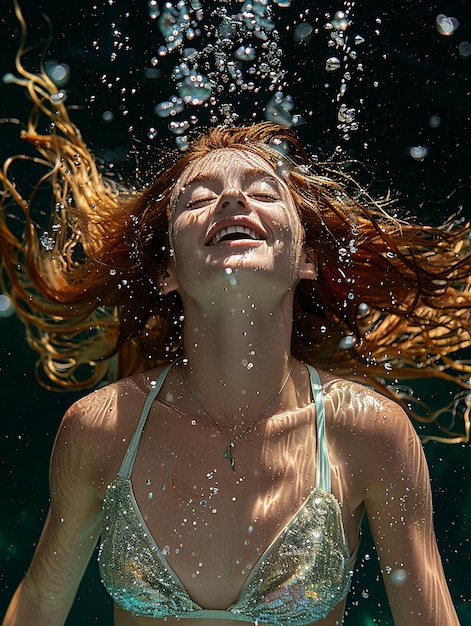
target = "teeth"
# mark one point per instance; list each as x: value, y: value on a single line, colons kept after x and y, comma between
x: 245, y: 230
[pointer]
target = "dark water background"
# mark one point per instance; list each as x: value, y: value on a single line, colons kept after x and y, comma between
x: 411, y: 72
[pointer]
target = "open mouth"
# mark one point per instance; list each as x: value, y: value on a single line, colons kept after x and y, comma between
x: 235, y: 233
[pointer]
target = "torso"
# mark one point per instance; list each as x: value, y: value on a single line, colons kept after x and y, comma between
x: 203, y: 514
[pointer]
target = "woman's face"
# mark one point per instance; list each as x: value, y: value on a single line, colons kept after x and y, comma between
x: 233, y: 223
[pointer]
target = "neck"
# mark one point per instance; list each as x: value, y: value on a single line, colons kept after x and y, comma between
x: 238, y: 355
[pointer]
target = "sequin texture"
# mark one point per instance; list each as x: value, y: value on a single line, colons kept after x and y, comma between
x: 299, y: 579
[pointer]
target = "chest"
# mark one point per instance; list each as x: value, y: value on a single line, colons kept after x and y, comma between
x: 214, y: 523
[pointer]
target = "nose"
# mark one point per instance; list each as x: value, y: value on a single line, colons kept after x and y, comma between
x: 232, y: 198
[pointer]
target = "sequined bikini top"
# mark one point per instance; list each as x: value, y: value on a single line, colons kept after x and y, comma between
x: 301, y: 576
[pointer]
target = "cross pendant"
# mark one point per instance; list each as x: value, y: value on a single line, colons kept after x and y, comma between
x: 228, y: 455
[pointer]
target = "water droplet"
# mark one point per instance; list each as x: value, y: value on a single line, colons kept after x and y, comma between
x: 332, y: 64
x: 58, y: 97
x: 365, y: 594
x: 398, y: 577
x: 434, y: 121
x: 47, y: 241
x: 346, y: 342
x: 346, y: 115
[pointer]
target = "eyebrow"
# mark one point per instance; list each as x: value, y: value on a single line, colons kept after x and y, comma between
x: 252, y: 172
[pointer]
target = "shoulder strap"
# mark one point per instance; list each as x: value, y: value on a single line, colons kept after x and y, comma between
x: 323, y: 463
x: 128, y: 460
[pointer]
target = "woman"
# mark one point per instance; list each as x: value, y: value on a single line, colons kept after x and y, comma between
x: 230, y: 483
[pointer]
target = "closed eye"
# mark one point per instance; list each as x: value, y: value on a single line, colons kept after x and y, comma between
x: 264, y: 197
x: 200, y: 202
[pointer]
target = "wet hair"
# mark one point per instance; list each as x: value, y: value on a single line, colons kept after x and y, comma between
x: 391, y: 300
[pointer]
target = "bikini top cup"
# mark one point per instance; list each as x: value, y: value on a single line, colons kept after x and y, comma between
x: 301, y: 576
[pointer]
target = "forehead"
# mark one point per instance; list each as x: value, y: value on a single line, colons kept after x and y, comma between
x: 224, y: 162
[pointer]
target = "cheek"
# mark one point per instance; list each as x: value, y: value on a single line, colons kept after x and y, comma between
x: 182, y: 230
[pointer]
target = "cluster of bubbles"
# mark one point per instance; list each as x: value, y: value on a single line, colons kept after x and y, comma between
x: 345, y: 55
x: 240, y: 52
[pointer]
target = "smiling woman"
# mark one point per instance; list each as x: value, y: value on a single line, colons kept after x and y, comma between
x: 229, y: 465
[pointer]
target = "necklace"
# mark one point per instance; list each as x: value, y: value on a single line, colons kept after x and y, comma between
x: 232, y: 442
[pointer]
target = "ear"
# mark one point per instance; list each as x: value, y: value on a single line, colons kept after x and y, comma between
x: 167, y: 281
x: 307, y: 267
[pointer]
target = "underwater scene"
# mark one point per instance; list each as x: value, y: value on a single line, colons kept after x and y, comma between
x: 382, y: 87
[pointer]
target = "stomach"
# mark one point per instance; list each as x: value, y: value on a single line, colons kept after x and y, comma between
x: 124, y: 618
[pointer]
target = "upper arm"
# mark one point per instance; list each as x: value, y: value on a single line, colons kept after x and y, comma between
x: 72, y: 526
x: 398, y: 503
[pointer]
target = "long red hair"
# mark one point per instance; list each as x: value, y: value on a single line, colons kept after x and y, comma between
x: 392, y: 298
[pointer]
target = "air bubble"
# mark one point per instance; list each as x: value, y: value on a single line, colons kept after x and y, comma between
x: 47, y: 241
x: 153, y: 8
x: 464, y: 50
x: 59, y: 73
x: 278, y: 109
x: 434, y: 121
x: 303, y: 32
x: 178, y: 128
x: 398, y: 577
x: 332, y: 64
x: 418, y: 153
x: 107, y: 116
x: 6, y: 305
x: 58, y: 97
x: 245, y: 53
x: 346, y: 342
x: 446, y: 25
x: 169, y: 107
x: 194, y: 89
x: 340, y: 21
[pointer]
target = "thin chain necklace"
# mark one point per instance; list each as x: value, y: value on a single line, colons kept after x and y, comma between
x: 232, y: 442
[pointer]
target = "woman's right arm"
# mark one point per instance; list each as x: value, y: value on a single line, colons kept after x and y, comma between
x: 72, y: 527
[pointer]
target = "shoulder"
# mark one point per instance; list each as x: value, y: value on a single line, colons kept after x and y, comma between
x: 96, y: 430
x: 103, y: 409
x: 370, y: 428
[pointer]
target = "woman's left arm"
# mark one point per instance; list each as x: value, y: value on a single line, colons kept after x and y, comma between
x: 398, y: 503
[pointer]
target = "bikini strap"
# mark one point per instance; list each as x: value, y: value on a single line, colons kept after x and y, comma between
x: 322, y: 458
x: 130, y: 456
